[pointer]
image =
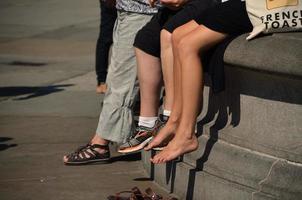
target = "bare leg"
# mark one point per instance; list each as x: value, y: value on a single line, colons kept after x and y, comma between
x: 171, y: 65
x: 150, y: 81
x: 188, y: 49
x: 167, y: 67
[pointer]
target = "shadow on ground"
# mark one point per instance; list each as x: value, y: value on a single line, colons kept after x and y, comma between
x: 31, y: 92
x: 4, y: 145
x: 129, y: 157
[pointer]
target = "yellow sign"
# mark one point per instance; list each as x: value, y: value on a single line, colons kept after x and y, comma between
x: 272, y: 4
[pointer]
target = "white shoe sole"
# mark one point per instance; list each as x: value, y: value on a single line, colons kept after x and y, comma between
x: 136, y: 148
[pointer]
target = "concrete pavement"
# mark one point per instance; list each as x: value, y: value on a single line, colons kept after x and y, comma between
x: 48, y: 104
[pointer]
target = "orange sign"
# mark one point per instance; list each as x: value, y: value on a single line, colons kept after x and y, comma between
x: 272, y: 4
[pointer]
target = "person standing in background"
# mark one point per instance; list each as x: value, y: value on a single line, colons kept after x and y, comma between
x: 108, y: 17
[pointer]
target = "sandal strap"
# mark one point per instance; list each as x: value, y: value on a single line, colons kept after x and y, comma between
x: 82, y: 147
x: 137, y: 193
x: 99, y: 146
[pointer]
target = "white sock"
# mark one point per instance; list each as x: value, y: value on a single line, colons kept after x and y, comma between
x: 147, y: 121
x: 167, y: 113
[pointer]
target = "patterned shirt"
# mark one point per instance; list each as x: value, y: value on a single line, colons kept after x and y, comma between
x: 136, y: 6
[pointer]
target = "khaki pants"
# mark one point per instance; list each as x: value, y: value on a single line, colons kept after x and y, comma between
x: 116, y: 119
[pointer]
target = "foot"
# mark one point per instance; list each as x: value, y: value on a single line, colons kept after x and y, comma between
x: 141, y: 138
x: 101, y: 88
x: 97, y: 150
x: 163, y: 137
x: 176, y: 147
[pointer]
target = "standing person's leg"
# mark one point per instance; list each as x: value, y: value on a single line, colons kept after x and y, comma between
x: 188, y: 49
x: 116, y: 119
x: 107, y: 19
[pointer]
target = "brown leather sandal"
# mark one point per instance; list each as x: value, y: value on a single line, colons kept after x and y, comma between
x: 152, y: 195
x: 134, y: 194
x: 88, y: 154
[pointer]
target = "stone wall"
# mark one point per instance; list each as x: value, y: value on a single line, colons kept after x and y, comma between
x: 251, y: 134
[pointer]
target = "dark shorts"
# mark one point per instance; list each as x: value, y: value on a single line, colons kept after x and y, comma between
x: 229, y: 17
x: 148, y: 38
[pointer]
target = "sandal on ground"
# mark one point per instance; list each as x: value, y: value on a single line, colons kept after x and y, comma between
x: 134, y: 194
x: 152, y: 195
x: 88, y: 154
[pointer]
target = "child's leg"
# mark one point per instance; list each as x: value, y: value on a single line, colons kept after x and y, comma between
x: 150, y: 81
x: 174, y: 81
x: 191, y: 90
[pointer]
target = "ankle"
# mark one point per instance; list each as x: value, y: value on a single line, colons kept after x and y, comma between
x: 98, y: 140
x: 186, y: 132
x: 174, y: 119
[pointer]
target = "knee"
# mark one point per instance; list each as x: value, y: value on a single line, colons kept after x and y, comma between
x: 176, y: 36
x: 187, y: 47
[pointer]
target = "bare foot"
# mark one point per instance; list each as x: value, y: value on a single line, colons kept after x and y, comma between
x: 95, y: 140
x: 164, y: 136
x: 177, y: 147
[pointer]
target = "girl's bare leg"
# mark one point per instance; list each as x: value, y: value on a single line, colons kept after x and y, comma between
x: 172, y: 78
x: 167, y: 67
x: 188, y: 49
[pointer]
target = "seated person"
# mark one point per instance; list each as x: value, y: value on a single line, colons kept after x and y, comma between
x: 153, y: 47
x: 199, y: 35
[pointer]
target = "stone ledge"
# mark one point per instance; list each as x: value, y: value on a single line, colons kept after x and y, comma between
x: 230, y: 173
x: 277, y: 53
x: 264, y: 173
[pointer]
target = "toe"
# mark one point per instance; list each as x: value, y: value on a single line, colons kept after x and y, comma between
x: 159, y: 160
x: 148, y: 147
x: 65, y: 159
x: 155, y: 159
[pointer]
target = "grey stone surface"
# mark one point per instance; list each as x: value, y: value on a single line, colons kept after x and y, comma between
x: 223, y: 178
x: 264, y: 173
x: 277, y: 53
x: 230, y: 162
x: 261, y: 112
